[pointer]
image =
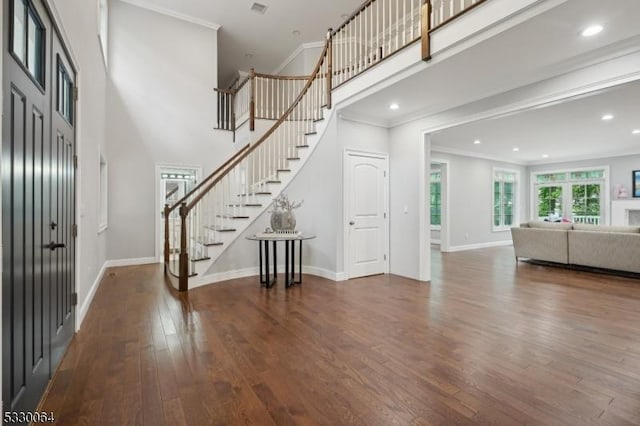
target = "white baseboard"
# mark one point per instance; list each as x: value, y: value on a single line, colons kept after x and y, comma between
x: 130, y: 262
x: 84, y: 308
x: 480, y: 246
x: 203, y: 280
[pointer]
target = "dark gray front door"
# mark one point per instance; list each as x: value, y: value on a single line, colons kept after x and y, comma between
x: 37, y: 208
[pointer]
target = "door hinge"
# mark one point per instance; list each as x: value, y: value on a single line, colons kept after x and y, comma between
x: 74, y: 231
x: 385, y: 173
x: 74, y: 299
x: 385, y: 257
x: 75, y: 162
x: 75, y: 93
x: 385, y: 215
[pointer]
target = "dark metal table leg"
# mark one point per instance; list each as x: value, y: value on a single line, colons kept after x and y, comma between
x: 299, y: 264
x: 263, y: 281
x: 287, y: 281
x: 275, y: 261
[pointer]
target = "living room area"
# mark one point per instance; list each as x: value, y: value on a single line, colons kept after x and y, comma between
x: 574, y: 161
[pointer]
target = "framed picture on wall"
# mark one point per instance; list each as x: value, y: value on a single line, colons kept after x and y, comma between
x: 636, y: 183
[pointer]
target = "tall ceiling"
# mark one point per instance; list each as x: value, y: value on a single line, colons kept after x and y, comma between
x: 248, y: 39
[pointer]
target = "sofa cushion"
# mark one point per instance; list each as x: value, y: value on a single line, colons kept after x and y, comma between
x: 550, y: 225
x: 604, y: 228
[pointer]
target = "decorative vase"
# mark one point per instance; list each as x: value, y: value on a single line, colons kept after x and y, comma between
x: 283, y: 220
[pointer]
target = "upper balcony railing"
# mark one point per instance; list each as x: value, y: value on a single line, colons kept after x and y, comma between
x: 376, y: 31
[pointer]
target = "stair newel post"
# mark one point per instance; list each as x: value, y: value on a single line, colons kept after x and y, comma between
x: 167, y: 246
x: 329, y: 59
x: 252, y: 99
x: 426, y: 27
x: 184, y: 256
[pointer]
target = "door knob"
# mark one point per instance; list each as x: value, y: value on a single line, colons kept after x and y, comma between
x: 53, y: 245
x: 352, y: 223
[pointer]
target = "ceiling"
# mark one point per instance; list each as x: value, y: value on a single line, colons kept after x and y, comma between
x: 568, y: 130
x: 545, y: 46
x: 248, y: 39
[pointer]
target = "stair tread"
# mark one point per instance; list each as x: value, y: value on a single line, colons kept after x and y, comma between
x: 284, y: 170
x: 254, y: 193
x: 246, y: 205
x: 201, y: 259
x: 293, y: 158
x: 311, y: 133
x: 208, y: 243
x: 302, y: 146
x: 232, y: 216
x: 221, y: 228
x: 274, y: 181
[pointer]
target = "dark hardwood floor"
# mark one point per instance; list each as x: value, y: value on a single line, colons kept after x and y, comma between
x: 485, y: 343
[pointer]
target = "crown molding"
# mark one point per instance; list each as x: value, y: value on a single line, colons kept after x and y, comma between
x: 363, y: 119
x: 173, y: 14
x: 298, y: 50
x: 465, y: 153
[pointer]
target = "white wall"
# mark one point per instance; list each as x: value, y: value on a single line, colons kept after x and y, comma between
x: 80, y: 23
x: 160, y: 109
x: 409, y: 160
x: 471, y: 194
x: 302, y: 61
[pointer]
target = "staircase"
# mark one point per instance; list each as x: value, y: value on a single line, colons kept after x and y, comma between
x: 200, y: 226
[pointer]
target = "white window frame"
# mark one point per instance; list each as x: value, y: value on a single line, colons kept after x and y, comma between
x: 516, y: 199
x: 103, y: 193
x: 606, y: 191
x: 436, y: 227
x: 103, y: 28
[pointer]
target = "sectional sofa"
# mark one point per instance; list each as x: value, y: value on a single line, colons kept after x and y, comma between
x: 598, y: 246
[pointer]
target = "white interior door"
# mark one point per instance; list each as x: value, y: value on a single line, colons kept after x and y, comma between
x: 366, y: 214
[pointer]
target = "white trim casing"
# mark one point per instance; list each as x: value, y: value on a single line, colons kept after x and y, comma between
x: 516, y: 201
x: 130, y: 262
x: 445, y: 227
x: 606, y: 208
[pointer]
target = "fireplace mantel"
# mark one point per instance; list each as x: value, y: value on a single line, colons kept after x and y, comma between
x: 620, y: 210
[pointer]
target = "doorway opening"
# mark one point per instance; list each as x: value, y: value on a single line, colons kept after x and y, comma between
x: 173, y: 182
x: 439, y: 223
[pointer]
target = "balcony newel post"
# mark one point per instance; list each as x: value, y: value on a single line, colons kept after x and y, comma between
x: 329, y: 66
x: 167, y: 246
x: 426, y: 27
x: 252, y: 99
x: 184, y: 256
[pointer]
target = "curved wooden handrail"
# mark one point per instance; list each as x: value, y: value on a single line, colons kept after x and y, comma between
x: 205, y: 180
x: 282, y: 77
x: 268, y: 133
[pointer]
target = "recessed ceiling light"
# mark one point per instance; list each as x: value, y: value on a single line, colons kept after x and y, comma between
x: 592, y: 30
x: 477, y: 142
x: 607, y: 117
x: 259, y: 8
x: 545, y: 155
x: 296, y: 33
x: 394, y: 106
x: 636, y: 132
x: 516, y: 149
